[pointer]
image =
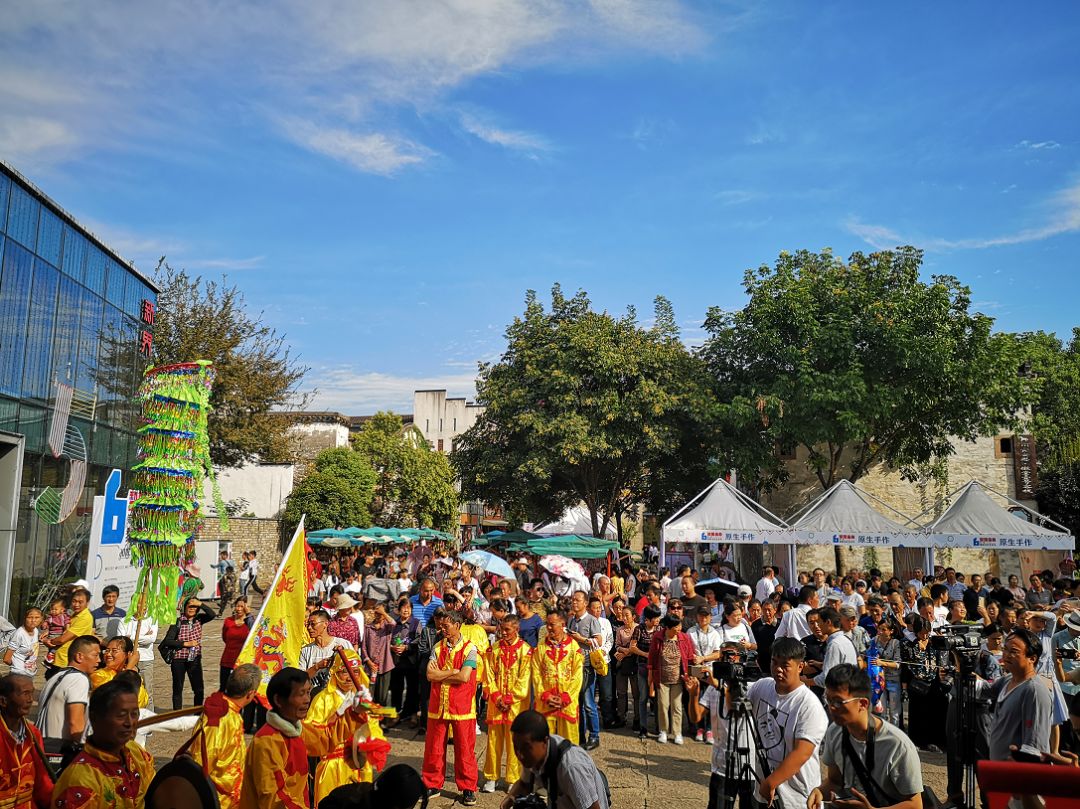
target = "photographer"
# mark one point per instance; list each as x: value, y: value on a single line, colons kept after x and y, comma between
x: 791, y: 724
x: 868, y: 762
x: 565, y: 770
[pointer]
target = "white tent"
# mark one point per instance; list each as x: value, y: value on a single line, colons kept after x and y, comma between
x: 975, y: 520
x: 845, y: 516
x: 575, y: 520
x: 723, y: 514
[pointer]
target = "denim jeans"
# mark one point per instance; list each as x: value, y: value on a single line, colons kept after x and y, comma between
x: 590, y: 714
x: 643, y: 696
x: 605, y: 688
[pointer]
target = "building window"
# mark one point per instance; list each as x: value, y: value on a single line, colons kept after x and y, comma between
x: 440, y: 445
x: 1003, y: 446
x: 455, y: 425
x: 427, y: 426
x: 440, y: 425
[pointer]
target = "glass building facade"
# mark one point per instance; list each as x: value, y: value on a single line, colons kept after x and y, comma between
x: 73, y: 313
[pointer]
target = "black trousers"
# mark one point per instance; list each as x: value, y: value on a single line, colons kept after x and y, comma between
x: 223, y: 676
x: 193, y: 670
x: 405, y: 689
x: 380, y: 687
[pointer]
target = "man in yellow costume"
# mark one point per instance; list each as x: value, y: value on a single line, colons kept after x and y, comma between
x: 557, y: 670
x: 507, y: 681
x: 217, y: 743
x: 25, y: 783
x: 113, y: 771
x: 336, y: 714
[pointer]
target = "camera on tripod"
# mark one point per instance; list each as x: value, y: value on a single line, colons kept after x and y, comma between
x: 736, y: 665
x: 963, y: 638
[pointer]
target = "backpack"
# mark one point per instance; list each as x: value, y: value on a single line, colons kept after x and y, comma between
x: 551, y: 778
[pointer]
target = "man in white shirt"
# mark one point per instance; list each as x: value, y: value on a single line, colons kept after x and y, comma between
x: 253, y: 574
x: 317, y: 656
x: 766, y: 584
x: 144, y: 648
x: 791, y: 723
x: 916, y: 579
x: 838, y: 646
x: 64, y: 699
x: 793, y: 623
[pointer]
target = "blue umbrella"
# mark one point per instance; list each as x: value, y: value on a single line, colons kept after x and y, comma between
x: 488, y: 562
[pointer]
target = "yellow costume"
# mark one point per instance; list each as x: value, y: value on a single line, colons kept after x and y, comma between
x: 218, y: 747
x: 557, y: 670
x: 507, y: 681
x: 479, y: 638
x: 102, y: 676
x: 276, y: 767
x: 99, y: 780
x: 332, y: 718
x: 24, y: 781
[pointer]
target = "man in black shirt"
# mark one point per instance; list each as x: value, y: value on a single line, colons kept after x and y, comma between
x: 815, y: 648
x: 764, y: 629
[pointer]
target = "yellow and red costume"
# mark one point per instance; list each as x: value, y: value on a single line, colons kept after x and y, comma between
x: 337, y: 717
x: 452, y: 707
x: 218, y: 747
x: 557, y: 670
x: 276, y: 767
x: 24, y: 781
x: 99, y: 780
x: 507, y: 681
x: 99, y: 677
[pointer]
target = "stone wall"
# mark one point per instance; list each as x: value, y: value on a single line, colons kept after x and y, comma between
x: 979, y: 460
x: 263, y: 536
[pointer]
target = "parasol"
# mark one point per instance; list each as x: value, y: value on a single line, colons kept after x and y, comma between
x: 722, y: 588
x: 561, y: 566
x: 489, y: 563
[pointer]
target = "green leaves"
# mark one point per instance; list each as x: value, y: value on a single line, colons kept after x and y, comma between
x: 337, y: 493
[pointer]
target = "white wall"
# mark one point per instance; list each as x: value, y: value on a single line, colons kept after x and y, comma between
x: 443, y: 419
x: 264, y: 486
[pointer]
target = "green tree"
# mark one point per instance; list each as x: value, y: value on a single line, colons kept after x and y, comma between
x: 337, y: 493
x: 587, y: 407
x: 414, y: 485
x: 862, y: 362
x: 256, y: 373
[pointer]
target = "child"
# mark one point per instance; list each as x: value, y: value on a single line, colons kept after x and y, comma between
x: 22, y: 651
x: 55, y: 626
x: 889, y: 658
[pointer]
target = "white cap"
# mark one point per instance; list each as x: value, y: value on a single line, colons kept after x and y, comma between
x: 744, y: 590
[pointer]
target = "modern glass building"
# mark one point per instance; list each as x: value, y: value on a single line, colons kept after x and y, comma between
x: 76, y: 333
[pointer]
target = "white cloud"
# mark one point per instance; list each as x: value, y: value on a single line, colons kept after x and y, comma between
x: 223, y: 263
x: 372, y: 152
x: 1038, y: 145
x: 1063, y: 217
x: 357, y: 393
x: 516, y: 140
x: 113, y: 75
x: 736, y: 196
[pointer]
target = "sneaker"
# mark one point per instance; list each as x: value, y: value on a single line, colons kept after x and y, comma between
x: 662, y: 738
x: 489, y: 786
x: 678, y: 740
x: 433, y: 791
x: 708, y: 737
x: 700, y: 736
x: 468, y: 798
x: 477, y: 730
x: 592, y: 744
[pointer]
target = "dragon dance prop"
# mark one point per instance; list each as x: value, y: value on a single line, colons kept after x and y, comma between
x: 173, y: 462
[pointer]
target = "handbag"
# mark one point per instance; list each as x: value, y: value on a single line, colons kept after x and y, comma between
x: 599, y: 662
x: 169, y: 644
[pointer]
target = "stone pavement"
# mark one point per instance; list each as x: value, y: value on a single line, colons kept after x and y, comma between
x: 642, y: 774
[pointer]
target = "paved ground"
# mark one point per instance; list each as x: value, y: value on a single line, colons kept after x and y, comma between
x: 642, y: 774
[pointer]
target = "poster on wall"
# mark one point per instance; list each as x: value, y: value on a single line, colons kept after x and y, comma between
x: 108, y: 560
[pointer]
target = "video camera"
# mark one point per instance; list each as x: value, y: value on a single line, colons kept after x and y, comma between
x: 961, y: 638
x: 736, y: 666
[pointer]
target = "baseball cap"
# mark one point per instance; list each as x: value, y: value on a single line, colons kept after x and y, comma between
x: 834, y: 597
x: 744, y: 590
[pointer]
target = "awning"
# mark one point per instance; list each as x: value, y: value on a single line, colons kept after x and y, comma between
x: 844, y: 516
x: 722, y: 513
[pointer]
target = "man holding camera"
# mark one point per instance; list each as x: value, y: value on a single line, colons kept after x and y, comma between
x: 868, y: 762
x: 562, y: 768
x: 791, y: 724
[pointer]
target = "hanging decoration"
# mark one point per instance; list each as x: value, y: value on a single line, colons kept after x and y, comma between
x: 173, y: 462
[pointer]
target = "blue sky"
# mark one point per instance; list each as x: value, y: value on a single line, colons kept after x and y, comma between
x: 386, y: 179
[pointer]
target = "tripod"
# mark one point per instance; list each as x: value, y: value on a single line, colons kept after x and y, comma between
x: 968, y: 733
x: 742, y: 733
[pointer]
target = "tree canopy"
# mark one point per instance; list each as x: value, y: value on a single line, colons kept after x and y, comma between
x: 862, y: 362
x: 587, y: 407
x: 414, y: 485
x: 256, y: 372
x: 337, y: 493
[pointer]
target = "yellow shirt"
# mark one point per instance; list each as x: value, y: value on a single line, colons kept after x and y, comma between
x: 99, y: 780
x: 102, y: 676
x: 335, y: 731
x: 479, y: 637
x: 81, y: 624
x: 220, y: 748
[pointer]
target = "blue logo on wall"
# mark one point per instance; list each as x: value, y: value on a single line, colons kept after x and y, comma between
x: 114, y: 522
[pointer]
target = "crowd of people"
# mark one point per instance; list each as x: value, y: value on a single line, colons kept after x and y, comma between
x: 832, y: 667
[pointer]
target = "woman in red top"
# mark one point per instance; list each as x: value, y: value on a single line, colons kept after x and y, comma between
x: 234, y: 632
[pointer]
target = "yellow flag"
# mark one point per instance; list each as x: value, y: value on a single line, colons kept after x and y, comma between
x: 278, y: 633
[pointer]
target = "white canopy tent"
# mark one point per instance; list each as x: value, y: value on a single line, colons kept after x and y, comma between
x: 723, y: 514
x: 975, y: 520
x: 575, y: 520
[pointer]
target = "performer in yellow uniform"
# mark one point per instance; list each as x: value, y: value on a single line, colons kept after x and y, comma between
x: 276, y: 768
x: 336, y: 714
x: 557, y: 671
x: 113, y: 771
x: 508, y: 677
x: 24, y: 781
x: 217, y: 743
